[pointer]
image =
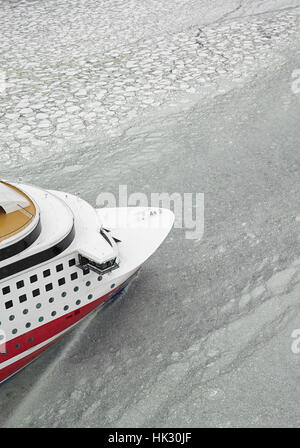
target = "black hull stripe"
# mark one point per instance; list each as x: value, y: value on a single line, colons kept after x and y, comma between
x: 21, y: 245
x: 38, y: 258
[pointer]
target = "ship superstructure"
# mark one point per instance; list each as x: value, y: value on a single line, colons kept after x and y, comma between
x: 59, y: 260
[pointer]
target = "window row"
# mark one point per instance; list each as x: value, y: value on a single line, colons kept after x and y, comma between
x: 37, y: 292
x: 34, y: 278
x: 23, y: 298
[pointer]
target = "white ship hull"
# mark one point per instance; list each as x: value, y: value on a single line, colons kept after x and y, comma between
x: 53, y: 308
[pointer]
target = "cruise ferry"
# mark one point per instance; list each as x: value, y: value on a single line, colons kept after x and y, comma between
x: 60, y: 259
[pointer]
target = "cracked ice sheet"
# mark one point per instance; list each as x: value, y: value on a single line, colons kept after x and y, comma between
x: 79, y: 80
x: 206, y: 340
x: 218, y: 352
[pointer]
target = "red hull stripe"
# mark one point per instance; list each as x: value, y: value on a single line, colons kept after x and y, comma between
x: 41, y: 334
x: 18, y: 365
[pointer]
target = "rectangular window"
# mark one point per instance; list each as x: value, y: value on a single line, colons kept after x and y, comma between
x: 49, y: 287
x: 46, y: 273
x: 59, y: 267
x: 6, y: 290
x: 61, y: 281
x: 8, y: 304
x: 33, y: 278
x: 22, y: 298
x: 74, y: 276
x: 20, y: 284
x: 36, y: 292
x: 72, y: 262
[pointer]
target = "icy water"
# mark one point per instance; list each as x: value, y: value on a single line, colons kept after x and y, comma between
x: 167, y: 97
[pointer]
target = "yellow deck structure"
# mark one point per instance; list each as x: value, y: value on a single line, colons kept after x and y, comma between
x: 14, y: 222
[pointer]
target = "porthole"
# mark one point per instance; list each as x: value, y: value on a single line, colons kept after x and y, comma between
x: 113, y: 285
x: 90, y: 296
x: 41, y: 319
x: 28, y: 325
x: 25, y: 311
x: 38, y: 305
x: 99, y: 278
x: 53, y: 313
x: 66, y: 307
x: 51, y: 299
x: 18, y: 345
x: 14, y: 331
x: 88, y: 283
x: 11, y: 317
x: 76, y: 289
x: 78, y: 302
x: 64, y: 294
x: 30, y: 339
